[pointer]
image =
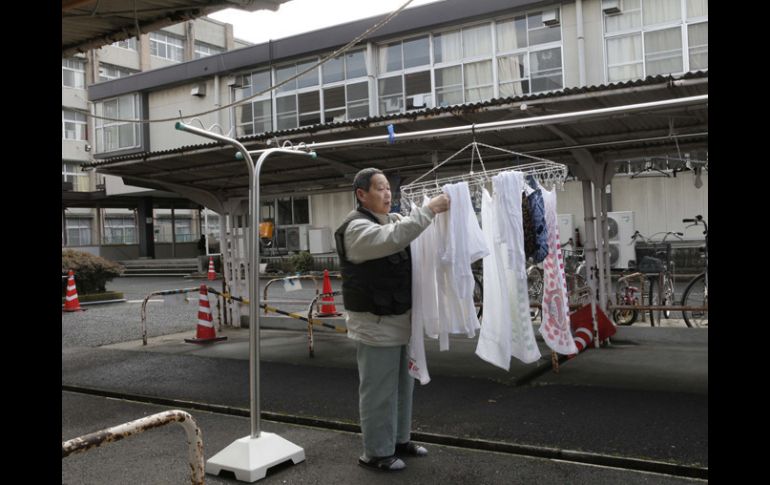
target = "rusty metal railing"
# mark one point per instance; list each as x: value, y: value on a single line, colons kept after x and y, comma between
x: 117, y: 433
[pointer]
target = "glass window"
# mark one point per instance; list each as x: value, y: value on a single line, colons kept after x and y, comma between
x: 183, y: 230
x: 418, y: 90
x: 697, y: 8
x: 545, y: 69
x: 286, y: 111
x: 512, y: 34
x: 661, y: 11
x: 333, y: 70
x: 334, y: 104
x: 511, y: 74
x: 309, y: 108
x: 78, y: 231
x: 624, y: 58
x: 72, y: 172
x: 416, y: 52
x: 166, y: 46
x: 539, y: 33
x: 355, y: 64
x: 301, y: 210
x: 663, y: 51
x: 129, y: 43
x: 245, y: 116
x: 73, y: 125
x: 263, y: 116
x: 358, y: 100
x: 284, y: 73
x: 449, y: 86
x: 391, y: 95
x: 698, y: 38
x: 284, y: 211
x: 309, y: 78
x: 630, y: 17
x: 120, y: 230
x: 478, y: 81
x: 73, y: 73
x: 447, y: 47
x: 477, y: 41
x: 390, y: 57
x: 260, y: 81
x: 114, y: 135
x: 203, y: 50
x: 108, y: 72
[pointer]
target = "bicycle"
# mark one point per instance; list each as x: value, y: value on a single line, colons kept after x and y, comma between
x: 696, y: 293
x: 659, y: 266
x: 627, y: 295
x: 578, y: 291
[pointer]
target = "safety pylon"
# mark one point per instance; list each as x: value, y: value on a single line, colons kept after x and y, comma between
x: 583, y: 327
x: 71, y: 302
x: 212, y: 273
x: 205, y: 332
x: 328, y: 309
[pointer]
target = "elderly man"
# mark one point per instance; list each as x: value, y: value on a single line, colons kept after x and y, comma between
x: 373, y: 246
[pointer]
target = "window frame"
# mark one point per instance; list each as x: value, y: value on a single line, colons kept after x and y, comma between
x: 164, y: 38
x: 79, y: 72
x: 102, y: 126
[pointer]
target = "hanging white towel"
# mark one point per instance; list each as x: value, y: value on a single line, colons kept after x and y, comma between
x: 424, y: 300
x: 556, y: 325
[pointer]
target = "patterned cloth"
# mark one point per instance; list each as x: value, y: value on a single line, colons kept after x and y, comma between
x: 537, y: 209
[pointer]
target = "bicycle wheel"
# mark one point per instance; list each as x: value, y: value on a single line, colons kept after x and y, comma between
x: 535, y: 289
x: 667, y: 298
x: 696, y: 295
x: 624, y: 317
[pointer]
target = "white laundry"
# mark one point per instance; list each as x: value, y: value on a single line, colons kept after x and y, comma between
x: 556, y: 325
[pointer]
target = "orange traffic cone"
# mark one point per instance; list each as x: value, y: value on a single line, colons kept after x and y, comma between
x: 205, y: 331
x: 583, y: 327
x: 212, y: 273
x: 328, y: 309
x: 71, y: 302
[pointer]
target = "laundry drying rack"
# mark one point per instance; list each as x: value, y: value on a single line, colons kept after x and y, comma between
x: 550, y: 174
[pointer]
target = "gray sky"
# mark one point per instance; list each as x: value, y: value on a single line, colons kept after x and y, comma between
x: 298, y: 16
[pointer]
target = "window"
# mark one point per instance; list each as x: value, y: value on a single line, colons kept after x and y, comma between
x: 449, y: 86
x: 203, y: 50
x: 299, y: 102
x: 528, y: 56
x: 120, y: 229
x: 117, y: 135
x: 656, y: 37
x: 73, y: 73
x: 256, y: 116
x: 478, y: 81
x: 71, y: 172
x: 166, y: 46
x: 73, y: 125
x: 290, y: 210
x: 78, y: 231
x: 183, y: 227
x: 129, y: 43
x: 108, y: 72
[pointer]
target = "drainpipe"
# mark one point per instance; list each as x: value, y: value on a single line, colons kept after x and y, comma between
x: 581, y: 42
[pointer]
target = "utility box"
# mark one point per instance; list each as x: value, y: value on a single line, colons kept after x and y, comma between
x: 320, y: 240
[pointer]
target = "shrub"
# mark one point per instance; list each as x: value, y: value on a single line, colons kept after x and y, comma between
x: 302, y: 261
x: 91, y: 272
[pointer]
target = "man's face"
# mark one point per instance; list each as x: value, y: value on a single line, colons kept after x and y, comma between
x: 377, y: 199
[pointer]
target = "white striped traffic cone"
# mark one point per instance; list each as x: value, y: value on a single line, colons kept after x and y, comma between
x: 205, y: 332
x: 212, y: 273
x: 71, y: 302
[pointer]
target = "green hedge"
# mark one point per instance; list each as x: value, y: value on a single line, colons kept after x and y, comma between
x: 91, y: 272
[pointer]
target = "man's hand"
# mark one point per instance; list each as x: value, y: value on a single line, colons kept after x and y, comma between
x: 439, y: 204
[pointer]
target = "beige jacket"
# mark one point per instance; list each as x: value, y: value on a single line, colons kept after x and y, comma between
x: 365, y: 240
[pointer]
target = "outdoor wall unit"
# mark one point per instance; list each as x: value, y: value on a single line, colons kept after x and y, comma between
x: 621, y: 228
x: 611, y: 7
x: 296, y: 238
x: 320, y: 240
x: 551, y: 17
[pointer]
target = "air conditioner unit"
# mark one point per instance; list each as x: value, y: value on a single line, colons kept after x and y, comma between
x: 296, y: 238
x: 621, y: 228
x: 320, y: 240
x: 199, y: 90
x: 566, y: 229
x: 611, y: 7
x: 551, y: 17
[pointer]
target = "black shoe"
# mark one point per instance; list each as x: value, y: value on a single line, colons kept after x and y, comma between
x: 385, y: 463
x: 410, y: 448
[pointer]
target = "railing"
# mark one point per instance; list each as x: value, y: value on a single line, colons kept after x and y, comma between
x: 117, y: 433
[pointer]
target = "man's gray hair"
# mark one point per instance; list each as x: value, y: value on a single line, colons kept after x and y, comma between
x: 363, y: 179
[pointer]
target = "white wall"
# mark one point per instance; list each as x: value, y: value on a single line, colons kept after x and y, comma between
x: 168, y: 102
x: 330, y: 209
x: 118, y: 56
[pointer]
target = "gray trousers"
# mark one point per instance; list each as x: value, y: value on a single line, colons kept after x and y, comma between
x: 384, y: 398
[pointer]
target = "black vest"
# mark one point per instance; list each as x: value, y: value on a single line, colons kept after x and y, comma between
x: 379, y: 286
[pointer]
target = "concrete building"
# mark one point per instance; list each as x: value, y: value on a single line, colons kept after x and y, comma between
x: 99, y: 211
x: 439, y: 65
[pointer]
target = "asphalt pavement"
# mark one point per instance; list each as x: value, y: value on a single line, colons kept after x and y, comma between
x: 633, y: 412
